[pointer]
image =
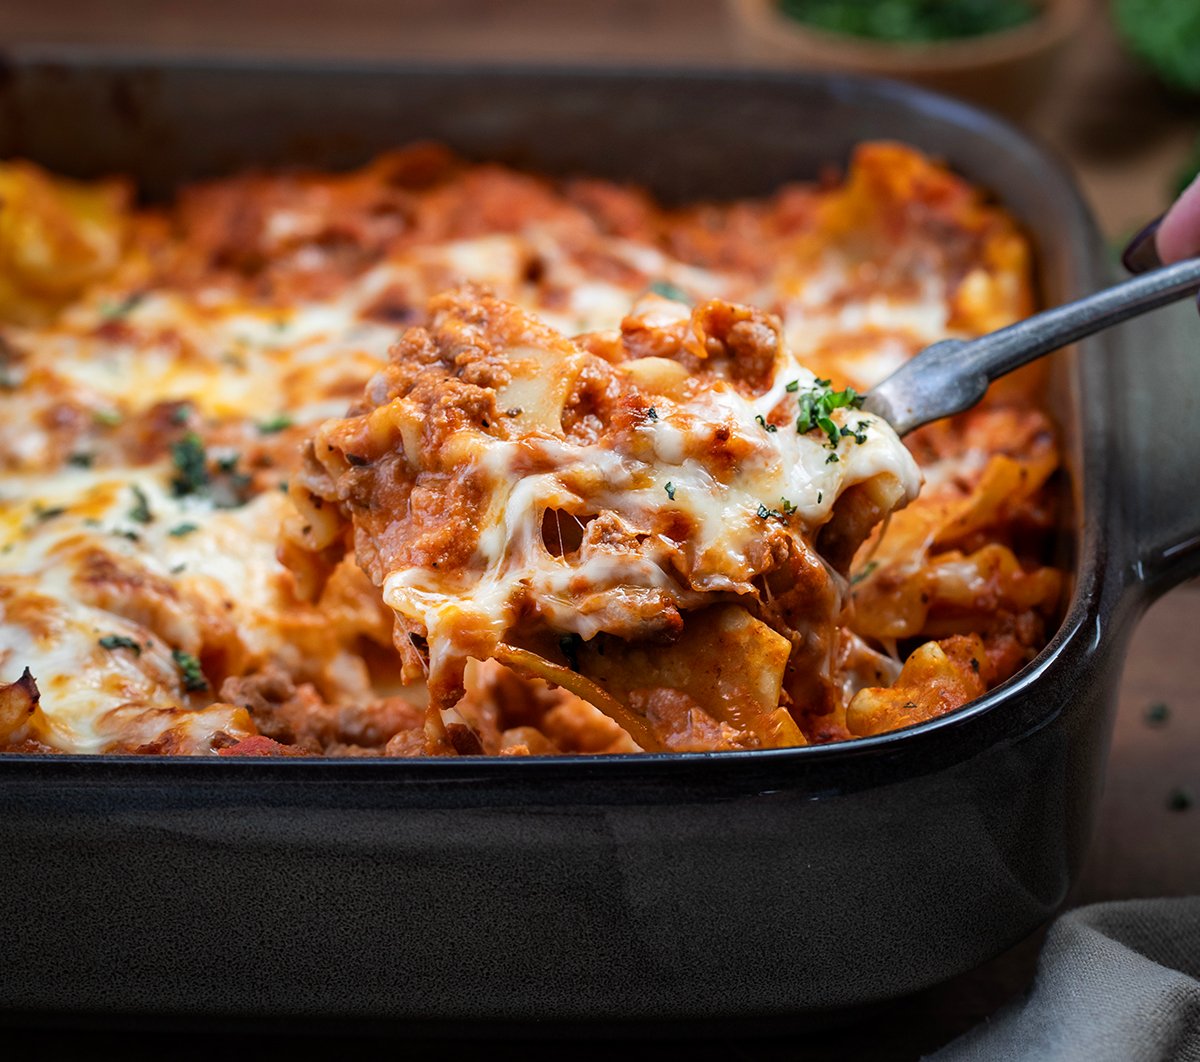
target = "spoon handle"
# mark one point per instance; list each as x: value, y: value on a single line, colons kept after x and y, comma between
x: 952, y: 375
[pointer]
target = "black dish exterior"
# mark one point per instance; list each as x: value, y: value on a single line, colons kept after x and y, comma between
x: 688, y: 888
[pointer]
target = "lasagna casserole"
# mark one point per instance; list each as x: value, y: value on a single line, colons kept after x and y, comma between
x: 443, y: 458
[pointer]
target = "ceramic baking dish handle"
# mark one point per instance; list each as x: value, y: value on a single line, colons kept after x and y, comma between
x: 1157, y: 443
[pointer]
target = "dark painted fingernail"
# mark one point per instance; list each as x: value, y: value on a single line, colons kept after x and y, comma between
x: 1141, y: 253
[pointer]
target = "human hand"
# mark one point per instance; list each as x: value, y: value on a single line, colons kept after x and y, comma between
x: 1170, y: 238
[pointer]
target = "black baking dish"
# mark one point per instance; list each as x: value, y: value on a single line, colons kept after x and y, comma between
x: 685, y: 887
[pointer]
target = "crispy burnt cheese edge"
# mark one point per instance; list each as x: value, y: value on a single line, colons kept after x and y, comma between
x: 667, y: 510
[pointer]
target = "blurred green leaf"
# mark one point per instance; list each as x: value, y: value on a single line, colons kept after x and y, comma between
x: 1165, y: 34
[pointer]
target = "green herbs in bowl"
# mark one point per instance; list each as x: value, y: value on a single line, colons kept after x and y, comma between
x: 1164, y: 34
x: 911, y: 21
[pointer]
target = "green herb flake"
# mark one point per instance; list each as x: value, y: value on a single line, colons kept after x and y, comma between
x: 230, y: 488
x: 818, y: 403
x: 788, y: 507
x: 181, y: 413
x: 189, y: 459
x: 762, y: 421
x: 140, y: 513
x: 765, y: 514
x: 190, y: 671
x: 669, y: 291
x: 792, y: 387
x: 276, y: 423
x: 116, y: 311
x: 652, y: 413
x: 670, y: 489
x: 42, y: 513
x: 179, y: 530
x: 106, y: 418
x: 81, y: 460
x: 1157, y: 714
x: 119, y: 641
x: 864, y: 574
x: 832, y: 459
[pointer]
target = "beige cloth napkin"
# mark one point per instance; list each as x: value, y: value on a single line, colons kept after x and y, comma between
x: 1115, y: 981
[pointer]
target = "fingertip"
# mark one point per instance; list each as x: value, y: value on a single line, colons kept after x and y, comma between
x: 1178, y: 235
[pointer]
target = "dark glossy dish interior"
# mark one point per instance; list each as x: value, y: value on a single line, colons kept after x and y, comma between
x: 662, y: 887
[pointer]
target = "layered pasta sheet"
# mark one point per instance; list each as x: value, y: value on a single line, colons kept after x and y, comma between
x: 439, y: 458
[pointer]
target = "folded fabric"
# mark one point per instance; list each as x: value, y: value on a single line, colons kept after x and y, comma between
x: 1115, y: 981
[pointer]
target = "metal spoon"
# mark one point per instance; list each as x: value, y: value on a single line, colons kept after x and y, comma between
x: 952, y: 375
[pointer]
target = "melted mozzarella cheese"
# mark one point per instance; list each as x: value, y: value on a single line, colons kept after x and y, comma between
x: 789, y: 480
x: 215, y: 562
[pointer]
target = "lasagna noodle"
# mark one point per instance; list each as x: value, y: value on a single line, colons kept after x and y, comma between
x: 161, y: 369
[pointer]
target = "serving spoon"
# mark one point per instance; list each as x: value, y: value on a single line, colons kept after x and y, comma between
x: 953, y: 374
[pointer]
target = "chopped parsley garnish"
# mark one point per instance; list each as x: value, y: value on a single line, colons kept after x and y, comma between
x: 42, y: 513
x: 670, y: 489
x: 180, y: 414
x: 832, y: 459
x: 820, y: 496
x: 817, y: 405
x: 864, y: 574
x: 765, y: 514
x: 81, y: 460
x: 652, y: 413
x: 569, y: 644
x: 276, y: 424
x: 669, y: 291
x: 827, y: 425
x: 179, y: 530
x: 189, y: 669
x: 191, y: 475
x: 119, y: 641
x: 788, y: 507
x: 229, y: 488
x: 106, y: 418
x: 792, y: 387
x: 858, y: 433
x: 140, y: 513
x: 763, y: 423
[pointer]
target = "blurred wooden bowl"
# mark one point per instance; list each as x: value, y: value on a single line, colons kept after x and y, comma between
x: 1007, y: 71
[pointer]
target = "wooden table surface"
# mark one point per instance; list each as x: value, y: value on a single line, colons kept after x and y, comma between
x: 1124, y: 138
